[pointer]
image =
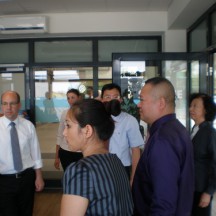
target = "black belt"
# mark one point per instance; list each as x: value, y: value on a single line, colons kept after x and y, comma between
x: 17, y: 175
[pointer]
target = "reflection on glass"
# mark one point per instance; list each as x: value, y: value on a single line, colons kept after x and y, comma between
x: 107, y: 47
x: 104, y: 77
x: 15, y: 82
x: 214, y: 73
x: 132, y: 78
x: 176, y: 71
x: 50, y: 114
x: 105, y: 73
x: 51, y: 86
x: 63, y: 51
x: 213, y: 27
x: 198, y: 37
x: 194, y: 76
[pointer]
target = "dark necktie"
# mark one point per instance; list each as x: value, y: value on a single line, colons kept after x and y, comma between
x: 15, y: 148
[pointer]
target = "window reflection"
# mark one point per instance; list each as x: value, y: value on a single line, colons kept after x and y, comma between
x: 176, y: 72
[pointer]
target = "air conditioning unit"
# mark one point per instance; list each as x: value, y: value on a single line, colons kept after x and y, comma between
x: 23, y: 25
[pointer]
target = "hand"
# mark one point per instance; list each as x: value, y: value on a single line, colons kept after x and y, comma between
x: 39, y: 182
x: 204, y: 200
x: 57, y: 164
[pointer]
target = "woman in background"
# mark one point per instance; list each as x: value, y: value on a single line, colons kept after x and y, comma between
x: 63, y: 154
x: 202, y: 111
x: 97, y: 184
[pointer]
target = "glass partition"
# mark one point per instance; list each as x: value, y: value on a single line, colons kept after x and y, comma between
x: 213, y: 27
x: 214, y: 88
x: 107, y: 47
x: 194, y: 76
x: 63, y: 51
x: 12, y: 77
x: 176, y: 72
x: 51, y: 86
x: 14, y: 53
x: 198, y: 37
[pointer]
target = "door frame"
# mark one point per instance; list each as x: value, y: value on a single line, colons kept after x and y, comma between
x: 168, y: 56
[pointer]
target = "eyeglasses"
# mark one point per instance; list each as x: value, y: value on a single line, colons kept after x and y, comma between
x: 111, y: 97
x: 9, y: 104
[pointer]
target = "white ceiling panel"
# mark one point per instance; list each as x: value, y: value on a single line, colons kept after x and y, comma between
x: 182, y: 19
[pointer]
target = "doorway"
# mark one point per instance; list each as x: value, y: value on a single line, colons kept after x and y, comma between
x: 184, y: 70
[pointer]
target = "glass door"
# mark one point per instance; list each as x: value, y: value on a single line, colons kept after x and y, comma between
x: 184, y: 70
x: 13, y: 77
x: 51, y: 86
x: 213, y: 73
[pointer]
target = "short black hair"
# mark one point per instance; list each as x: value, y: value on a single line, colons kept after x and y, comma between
x: 110, y: 86
x: 93, y: 112
x: 75, y: 91
x: 169, y: 94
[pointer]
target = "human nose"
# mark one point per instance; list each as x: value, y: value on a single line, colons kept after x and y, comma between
x: 65, y: 132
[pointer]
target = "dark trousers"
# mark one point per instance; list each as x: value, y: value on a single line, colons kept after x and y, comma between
x: 17, y: 194
x: 128, y: 171
x: 67, y: 157
x: 197, y: 211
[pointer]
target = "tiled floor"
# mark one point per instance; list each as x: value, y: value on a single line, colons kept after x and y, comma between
x: 47, y: 139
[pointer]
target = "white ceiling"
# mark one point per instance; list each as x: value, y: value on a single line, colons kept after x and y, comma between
x: 189, y: 11
x: 10, y: 7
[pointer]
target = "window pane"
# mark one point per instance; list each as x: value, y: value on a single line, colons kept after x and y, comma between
x: 51, y: 86
x: 176, y: 72
x: 194, y: 76
x: 105, y: 73
x: 107, y: 47
x: 198, y: 37
x: 214, y: 73
x: 213, y: 19
x: 14, y: 82
x: 63, y: 51
x: 13, y: 53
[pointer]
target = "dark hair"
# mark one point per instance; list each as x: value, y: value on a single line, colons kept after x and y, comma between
x: 16, y: 93
x: 110, y: 86
x: 169, y: 93
x: 93, y: 112
x: 208, y: 104
x: 113, y: 107
x: 75, y: 91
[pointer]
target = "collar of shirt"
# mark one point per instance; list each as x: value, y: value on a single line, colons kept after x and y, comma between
x: 161, y: 121
x: 118, y: 118
x: 8, y: 121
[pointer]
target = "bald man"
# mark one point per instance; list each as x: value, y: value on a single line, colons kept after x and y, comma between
x: 164, y: 179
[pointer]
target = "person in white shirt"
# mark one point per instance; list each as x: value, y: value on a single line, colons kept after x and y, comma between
x: 126, y: 139
x: 63, y: 154
x: 17, y: 188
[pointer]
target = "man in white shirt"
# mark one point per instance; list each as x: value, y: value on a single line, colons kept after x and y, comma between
x: 17, y: 187
x: 126, y: 139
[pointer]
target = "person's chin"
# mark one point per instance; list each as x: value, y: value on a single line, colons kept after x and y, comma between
x: 72, y: 148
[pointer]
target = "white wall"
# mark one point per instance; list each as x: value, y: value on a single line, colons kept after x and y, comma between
x: 117, y: 23
x: 175, y: 41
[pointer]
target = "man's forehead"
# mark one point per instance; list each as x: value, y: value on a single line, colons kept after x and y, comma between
x: 113, y: 91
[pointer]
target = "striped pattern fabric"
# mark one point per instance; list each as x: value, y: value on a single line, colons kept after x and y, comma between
x: 103, y: 181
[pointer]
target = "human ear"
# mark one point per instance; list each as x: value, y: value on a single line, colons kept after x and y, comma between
x: 88, y: 131
x: 162, y: 102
